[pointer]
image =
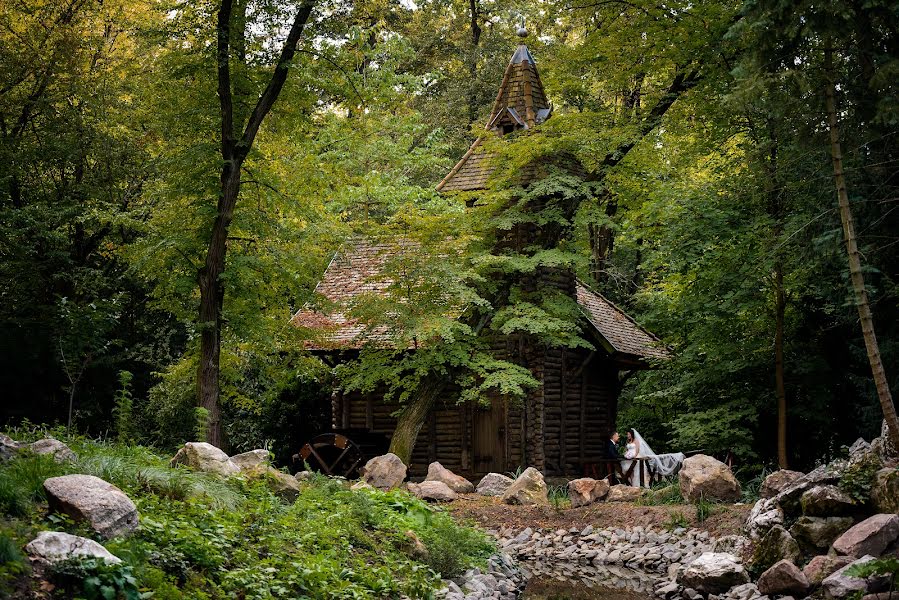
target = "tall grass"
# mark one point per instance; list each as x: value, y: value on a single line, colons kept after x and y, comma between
x: 22, y: 482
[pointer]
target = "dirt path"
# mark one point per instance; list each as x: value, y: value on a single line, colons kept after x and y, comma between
x: 490, y: 513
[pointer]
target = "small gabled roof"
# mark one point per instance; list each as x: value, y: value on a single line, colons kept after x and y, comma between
x: 357, y: 269
x: 521, y: 101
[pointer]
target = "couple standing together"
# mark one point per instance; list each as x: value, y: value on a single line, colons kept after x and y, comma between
x: 660, y: 465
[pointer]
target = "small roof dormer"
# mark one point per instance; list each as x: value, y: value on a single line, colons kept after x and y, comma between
x: 520, y: 103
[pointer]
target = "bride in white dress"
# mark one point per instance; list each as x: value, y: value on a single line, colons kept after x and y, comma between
x: 661, y: 464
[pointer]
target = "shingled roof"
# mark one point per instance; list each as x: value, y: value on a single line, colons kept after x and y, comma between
x: 357, y: 269
x: 520, y: 104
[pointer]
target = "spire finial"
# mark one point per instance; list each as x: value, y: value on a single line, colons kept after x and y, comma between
x: 522, y: 32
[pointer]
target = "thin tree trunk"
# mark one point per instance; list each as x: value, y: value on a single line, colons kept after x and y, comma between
x: 413, y: 417
x: 855, y: 265
x: 234, y: 151
x: 780, y: 305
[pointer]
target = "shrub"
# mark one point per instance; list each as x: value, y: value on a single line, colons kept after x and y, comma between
x: 124, y: 409
x: 94, y: 579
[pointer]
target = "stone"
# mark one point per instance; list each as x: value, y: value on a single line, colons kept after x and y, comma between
x: 281, y: 484
x: 417, y: 549
x: 778, y: 481
x: 624, y: 493
x: 702, y: 476
x: 9, y: 448
x: 783, y: 578
x: 839, y: 585
x: 826, y: 501
x: 494, y: 484
x: 87, y: 498
x: 384, y: 472
x: 764, y: 515
x: 434, y: 491
x: 201, y: 456
x: 777, y: 545
x: 713, y: 573
x: 871, y: 536
x: 885, y: 491
x: 816, y: 534
x: 821, y: 566
x: 859, y: 446
x: 51, y: 447
x: 55, y: 546
x: 457, y: 483
x: 732, y: 544
x: 528, y: 489
x: 251, y: 460
x: 789, y: 498
x: 360, y: 485
x: 303, y: 475
x: 586, y: 491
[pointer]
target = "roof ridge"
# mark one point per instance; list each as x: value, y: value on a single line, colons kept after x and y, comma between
x: 581, y: 282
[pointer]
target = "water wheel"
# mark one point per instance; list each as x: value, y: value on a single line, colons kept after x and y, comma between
x: 332, y: 454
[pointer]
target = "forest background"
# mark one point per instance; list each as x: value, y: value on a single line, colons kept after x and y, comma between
x: 713, y: 217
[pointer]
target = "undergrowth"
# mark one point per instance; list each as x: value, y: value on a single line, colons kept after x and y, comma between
x: 205, y: 537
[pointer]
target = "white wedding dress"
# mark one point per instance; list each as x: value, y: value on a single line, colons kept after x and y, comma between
x: 662, y: 464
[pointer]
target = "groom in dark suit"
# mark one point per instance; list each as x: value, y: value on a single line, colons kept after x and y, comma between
x: 612, y: 446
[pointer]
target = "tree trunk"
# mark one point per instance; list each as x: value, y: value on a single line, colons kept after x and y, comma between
x: 780, y: 305
x: 855, y: 265
x: 412, y: 417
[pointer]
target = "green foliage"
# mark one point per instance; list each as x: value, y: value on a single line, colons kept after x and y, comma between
x: 858, y: 478
x: 201, y: 423
x: 22, y: 482
x: 704, y: 509
x: 676, y: 519
x: 94, y: 579
x: 879, y: 566
x: 558, y: 496
x: 662, y: 493
x: 124, y: 409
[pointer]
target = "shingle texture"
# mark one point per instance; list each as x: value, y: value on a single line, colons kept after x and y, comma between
x: 357, y: 270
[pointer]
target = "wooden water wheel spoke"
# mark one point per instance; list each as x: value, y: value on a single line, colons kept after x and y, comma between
x: 332, y: 454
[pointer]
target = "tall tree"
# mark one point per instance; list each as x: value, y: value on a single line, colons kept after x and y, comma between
x: 235, y: 146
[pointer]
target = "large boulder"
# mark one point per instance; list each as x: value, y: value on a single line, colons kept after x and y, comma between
x: 871, y: 536
x: 764, y: 515
x: 528, y: 489
x: 624, y: 493
x: 826, y: 501
x: 201, y: 456
x: 839, y: 585
x: 9, y: 447
x: 56, y: 546
x: 494, y: 484
x: 87, y: 498
x: 433, y: 491
x: 586, y: 491
x: 384, y: 472
x: 777, y: 545
x: 789, y: 498
x: 52, y: 447
x: 778, y: 481
x: 457, y: 483
x: 823, y: 565
x: 885, y: 491
x: 251, y: 460
x: 713, y: 573
x: 702, y: 476
x: 784, y: 578
x: 816, y: 534
x: 281, y: 484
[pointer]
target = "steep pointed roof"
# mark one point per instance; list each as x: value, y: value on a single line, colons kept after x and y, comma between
x: 520, y: 103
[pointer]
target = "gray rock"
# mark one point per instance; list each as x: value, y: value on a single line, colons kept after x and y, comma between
x: 624, y: 493
x: 713, y: 573
x: 528, y: 489
x: 702, y: 476
x: 251, y: 459
x: 816, y: 534
x: 51, y: 447
x: 9, y: 447
x: 871, y: 536
x: 839, y: 585
x: 55, y: 546
x: 201, y: 456
x: 826, y: 501
x: 384, y: 472
x: 87, y: 498
x: 494, y: 484
x: 821, y: 566
x: 788, y: 499
x: 457, y: 483
x: 885, y: 491
x: 433, y: 491
x: 764, y: 515
x: 586, y: 491
x: 777, y: 545
x: 783, y: 578
x: 280, y: 483
x: 778, y: 481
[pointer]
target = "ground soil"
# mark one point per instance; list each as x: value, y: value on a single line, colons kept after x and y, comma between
x: 491, y: 513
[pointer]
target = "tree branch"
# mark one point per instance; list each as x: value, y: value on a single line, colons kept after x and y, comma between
x: 223, y: 51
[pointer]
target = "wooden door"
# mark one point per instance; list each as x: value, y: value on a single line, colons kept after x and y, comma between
x: 489, y: 438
